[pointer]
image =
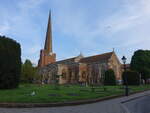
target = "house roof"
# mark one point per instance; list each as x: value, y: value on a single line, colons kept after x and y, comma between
x: 54, y: 67
x: 66, y: 61
x: 100, y: 57
x: 90, y: 59
x: 69, y: 61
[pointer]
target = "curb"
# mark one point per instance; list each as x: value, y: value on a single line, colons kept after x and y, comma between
x: 58, y: 104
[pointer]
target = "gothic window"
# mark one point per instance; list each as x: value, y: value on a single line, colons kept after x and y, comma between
x: 70, y: 75
x: 84, y: 74
x: 76, y: 71
x: 64, y: 74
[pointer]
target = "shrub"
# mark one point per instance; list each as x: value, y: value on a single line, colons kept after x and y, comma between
x: 10, y: 63
x: 131, y: 77
x: 109, y: 78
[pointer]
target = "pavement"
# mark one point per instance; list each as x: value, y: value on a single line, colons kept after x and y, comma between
x: 136, y: 103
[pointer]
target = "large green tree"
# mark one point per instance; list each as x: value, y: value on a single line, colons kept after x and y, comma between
x: 10, y: 63
x: 140, y: 62
x: 29, y: 72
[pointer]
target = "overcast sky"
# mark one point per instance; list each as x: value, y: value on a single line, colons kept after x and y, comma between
x: 90, y: 26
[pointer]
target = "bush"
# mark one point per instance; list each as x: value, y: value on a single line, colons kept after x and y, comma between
x: 109, y: 78
x: 10, y: 63
x: 131, y: 77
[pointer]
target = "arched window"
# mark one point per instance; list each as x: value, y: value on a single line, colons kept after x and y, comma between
x: 64, y: 74
x: 70, y: 75
x: 84, y: 74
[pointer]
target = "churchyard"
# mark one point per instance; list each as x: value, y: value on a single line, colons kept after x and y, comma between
x: 19, y: 82
x: 35, y: 93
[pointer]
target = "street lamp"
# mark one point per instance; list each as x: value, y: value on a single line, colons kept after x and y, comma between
x: 126, y: 83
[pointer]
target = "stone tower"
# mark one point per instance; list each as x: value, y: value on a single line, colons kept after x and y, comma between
x: 46, y: 55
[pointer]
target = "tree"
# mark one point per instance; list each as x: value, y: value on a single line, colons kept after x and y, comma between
x: 131, y: 78
x: 109, y: 78
x: 10, y: 63
x: 140, y: 62
x: 29, y: 73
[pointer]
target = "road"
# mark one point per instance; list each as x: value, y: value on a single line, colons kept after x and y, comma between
x: 140, y: 105
x: 137, y: 103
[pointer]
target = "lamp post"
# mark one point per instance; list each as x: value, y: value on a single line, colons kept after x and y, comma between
x: 126, y: 83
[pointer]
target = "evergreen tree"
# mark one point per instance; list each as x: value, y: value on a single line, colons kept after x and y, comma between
x: 10, y: 63
x: 140, y: 62
x: 109, y: 78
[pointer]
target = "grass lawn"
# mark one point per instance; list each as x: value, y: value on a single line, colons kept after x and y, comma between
x: 47, y: 93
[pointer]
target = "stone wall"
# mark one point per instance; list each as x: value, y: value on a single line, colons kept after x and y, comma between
x: 116, y: 66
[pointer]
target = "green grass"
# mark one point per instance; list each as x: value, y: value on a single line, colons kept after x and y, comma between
x: 22, y: 94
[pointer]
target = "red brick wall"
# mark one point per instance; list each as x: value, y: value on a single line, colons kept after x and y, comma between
x: 46, y: 59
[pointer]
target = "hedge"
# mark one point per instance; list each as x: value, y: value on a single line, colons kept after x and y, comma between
x: 131, y: 78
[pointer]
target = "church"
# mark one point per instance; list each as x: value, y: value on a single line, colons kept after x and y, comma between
x: 79, y: 69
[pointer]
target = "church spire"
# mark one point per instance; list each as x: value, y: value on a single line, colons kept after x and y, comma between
x: 48, y: 41
x: 46, y: 55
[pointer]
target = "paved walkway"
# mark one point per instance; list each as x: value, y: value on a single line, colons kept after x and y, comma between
x: 130, y: 104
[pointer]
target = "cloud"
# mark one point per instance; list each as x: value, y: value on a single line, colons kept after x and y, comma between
x: 4, y: 28
x: 19, y: 24
x: 124, y: 28
x: 85, y: 25
x: 132, y: 15
x: 25, y: 5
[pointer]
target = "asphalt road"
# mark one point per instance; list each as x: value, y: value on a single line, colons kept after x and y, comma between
x: 137, y: 103
x: 140, y: 105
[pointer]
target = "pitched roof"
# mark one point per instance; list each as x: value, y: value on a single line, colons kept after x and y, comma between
x: 90, y: 59
x: 54, y: 67
x: 101, y: 57
x: 69, y: 61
